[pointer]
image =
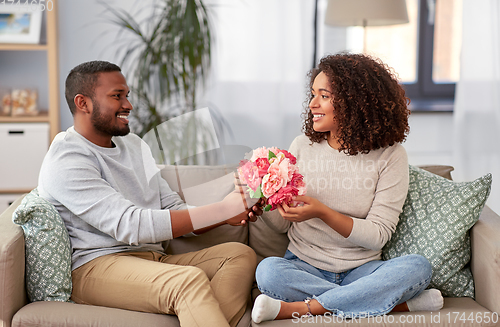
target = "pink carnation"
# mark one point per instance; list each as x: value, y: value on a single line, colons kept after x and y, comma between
x: 262, y: 166
x: 271, y: 183
x: 284, y: 195
x: 249, y: 174
x: 289, y: 156
x: 260, y: 153
x: 282, y: 168
x: 298, y: 182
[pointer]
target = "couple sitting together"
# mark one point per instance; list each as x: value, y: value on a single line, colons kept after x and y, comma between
x: 119, y: 211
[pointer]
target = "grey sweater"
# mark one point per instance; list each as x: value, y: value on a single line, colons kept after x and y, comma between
x: 370, y: 188
x: 110, y: 199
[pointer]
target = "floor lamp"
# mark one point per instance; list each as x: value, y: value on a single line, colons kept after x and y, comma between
x: 366, y: 13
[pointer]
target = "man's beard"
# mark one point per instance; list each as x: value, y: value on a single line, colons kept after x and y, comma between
x: 104, y: 124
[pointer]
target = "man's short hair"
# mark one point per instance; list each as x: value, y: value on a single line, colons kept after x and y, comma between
x: 83, y: 79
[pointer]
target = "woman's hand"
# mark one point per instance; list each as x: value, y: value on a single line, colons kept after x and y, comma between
x: 311, y: 208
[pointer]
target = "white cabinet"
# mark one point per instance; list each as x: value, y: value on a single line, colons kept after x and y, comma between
x: 22, y: 149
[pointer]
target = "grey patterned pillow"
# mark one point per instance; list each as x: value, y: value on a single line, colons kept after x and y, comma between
x: 435, y: 223
x: 48, y: 253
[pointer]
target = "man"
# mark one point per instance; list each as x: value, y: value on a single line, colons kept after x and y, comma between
x: 117, y: 209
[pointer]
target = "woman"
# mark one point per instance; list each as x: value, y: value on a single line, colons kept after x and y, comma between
x: 356, y: 173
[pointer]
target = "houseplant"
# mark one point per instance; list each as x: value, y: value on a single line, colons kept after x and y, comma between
x: 167, y: 60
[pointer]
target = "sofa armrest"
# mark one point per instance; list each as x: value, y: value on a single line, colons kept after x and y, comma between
x: 12, y: 289
x: 485, y: 261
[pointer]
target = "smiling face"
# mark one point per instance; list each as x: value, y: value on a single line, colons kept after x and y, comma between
x: 107, y: 111
x: 321, y: 105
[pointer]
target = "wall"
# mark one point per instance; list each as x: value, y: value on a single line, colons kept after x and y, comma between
x: 430, y: 138
x: 85, y: 34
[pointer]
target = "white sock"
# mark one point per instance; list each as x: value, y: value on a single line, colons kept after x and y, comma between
x: 265, y: 308
x: 428, y: 300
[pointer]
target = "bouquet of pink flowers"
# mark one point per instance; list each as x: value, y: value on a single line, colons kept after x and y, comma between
x: 272, y: 174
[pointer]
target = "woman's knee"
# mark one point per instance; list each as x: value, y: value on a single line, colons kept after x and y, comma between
x: 419, y: 265
x: 268, y: 272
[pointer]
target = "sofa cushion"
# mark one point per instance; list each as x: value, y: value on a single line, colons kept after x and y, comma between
x: 265, y: 241
x: 201, y: 185
x: 48, y: 253
x: 48, y: 314
x: 435, y: 223
x: 45, y: 314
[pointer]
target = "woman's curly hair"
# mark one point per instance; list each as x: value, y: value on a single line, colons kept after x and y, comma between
x: 370, y: 105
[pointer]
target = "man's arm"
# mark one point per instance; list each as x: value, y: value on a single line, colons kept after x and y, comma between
x: 81, y: 189
x: 232, y: 210
x: 250, y: 209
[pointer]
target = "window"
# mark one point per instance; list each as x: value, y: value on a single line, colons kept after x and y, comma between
x: 439, y: 50
x: 396, y: 45
x: 425, y: 52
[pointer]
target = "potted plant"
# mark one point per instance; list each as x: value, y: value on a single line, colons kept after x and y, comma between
x: 167, y: 62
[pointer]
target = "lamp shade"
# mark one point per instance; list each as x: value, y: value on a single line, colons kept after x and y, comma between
x: 366, y: 12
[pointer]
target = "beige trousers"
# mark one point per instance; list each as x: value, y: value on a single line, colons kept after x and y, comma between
x: 209, y: 287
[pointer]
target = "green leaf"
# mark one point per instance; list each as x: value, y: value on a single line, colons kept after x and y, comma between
x: 257, y: 194
x: 271, y: 155
x: 268, y: 207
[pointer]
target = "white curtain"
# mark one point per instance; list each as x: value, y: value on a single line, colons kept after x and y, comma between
x: 263, y: 51
x: 477, y: 100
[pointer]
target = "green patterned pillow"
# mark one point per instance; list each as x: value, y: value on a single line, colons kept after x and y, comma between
x: 435, y: 223
x: 48, y: 253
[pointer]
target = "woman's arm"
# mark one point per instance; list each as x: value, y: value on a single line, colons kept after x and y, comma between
x: 376, y: 228
x: 374, y: 231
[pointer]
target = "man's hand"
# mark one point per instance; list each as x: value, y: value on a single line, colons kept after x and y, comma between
x: 236, y: 203
x: 249, y: 215
x: 238, y: 220
x: 256, y: 210
x: 249, y: 207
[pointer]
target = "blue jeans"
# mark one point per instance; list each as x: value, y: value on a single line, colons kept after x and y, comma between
x: 371, y: 289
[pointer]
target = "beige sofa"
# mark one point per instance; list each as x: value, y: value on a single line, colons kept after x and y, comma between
x: 200, y: 185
